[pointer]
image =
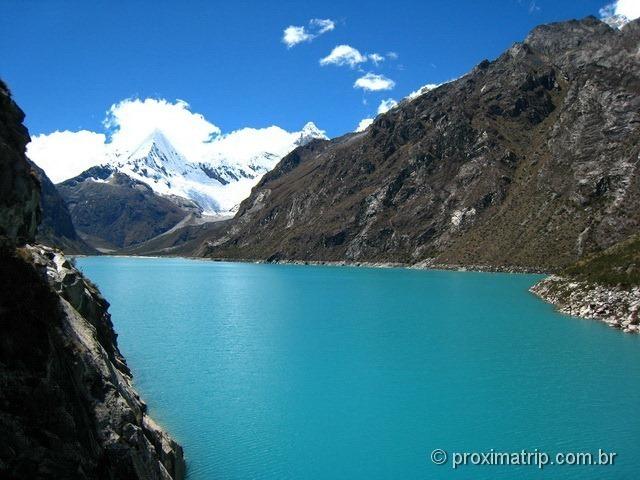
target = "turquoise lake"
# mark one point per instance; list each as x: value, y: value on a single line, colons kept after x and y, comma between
x: 305, y: 372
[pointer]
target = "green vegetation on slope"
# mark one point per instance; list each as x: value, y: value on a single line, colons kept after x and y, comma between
x: 619, y: 264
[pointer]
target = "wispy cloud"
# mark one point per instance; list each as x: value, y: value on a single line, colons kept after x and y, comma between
x: 324, y: 25
x: 373, y: 82
x: 376, y: 58
x: 293, y: 35
x: 344, y: 55
x: 384, y: 107
x: 531, y: 5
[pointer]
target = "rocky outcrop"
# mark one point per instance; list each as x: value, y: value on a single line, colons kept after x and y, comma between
x: 614, y: 305
x: 67, y: 405
x: 528, y: 161
x: 56, y: 228
x: 19, y: 193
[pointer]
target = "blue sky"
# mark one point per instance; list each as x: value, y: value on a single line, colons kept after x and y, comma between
x: 67, y: 62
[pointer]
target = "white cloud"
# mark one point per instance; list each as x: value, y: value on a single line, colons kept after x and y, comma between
x: 128, y: 123
x: 621, y: 12
x: 374, y: 82
x: 132, y: 121
x: 364, y: 124
x: 386, y: 105
x: 376, y: 58
x: 628, y: 8
x: 65, y: 154
x: 343, y: 55
x: 293, y: 35
x: 348, y: 55
x: 424, y: 89
x: 247, y: 143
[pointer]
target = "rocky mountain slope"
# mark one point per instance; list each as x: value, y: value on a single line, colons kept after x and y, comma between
x: 182, y: 240
x: 67, y: 405
x: 111, y: 210
x: 528, y: 161
x: 56, y: 228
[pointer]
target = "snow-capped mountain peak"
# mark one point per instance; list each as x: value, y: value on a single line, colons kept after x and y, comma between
x: 218, y: 183
x: 310, y: 132
x: 157, y: 151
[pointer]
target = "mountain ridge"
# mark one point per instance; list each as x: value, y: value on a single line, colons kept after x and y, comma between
x: 217, y: 184
x: 526, y: 161
x: 146, y: 193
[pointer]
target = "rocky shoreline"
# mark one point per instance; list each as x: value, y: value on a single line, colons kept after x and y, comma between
x: 428, y: 264
x: 616, y: 306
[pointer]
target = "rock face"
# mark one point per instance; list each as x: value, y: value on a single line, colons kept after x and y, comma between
x: 19, y: 194
x: 56, y: 228
x: 67, y: 405
x: 527, y: 161
x: 112, y: 210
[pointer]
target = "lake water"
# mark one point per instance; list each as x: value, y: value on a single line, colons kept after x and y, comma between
x: 303, y: 372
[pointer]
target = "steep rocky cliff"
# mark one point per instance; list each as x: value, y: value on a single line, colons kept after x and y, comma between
x: 67, y: 405
x: 19, y: 186
x: 530, y: 160
x: 56, y: 228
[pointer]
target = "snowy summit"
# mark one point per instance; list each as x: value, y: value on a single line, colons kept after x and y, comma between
x: 218, y: 183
